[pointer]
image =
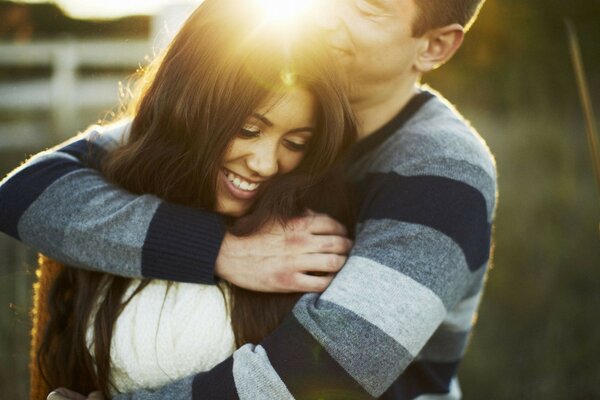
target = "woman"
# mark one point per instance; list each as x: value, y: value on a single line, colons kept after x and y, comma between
x: 237, y: 120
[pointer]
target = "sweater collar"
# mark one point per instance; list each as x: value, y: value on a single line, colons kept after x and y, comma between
x: 375, y: 139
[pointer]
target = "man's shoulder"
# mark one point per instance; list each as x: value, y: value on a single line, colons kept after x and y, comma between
x: 437, y: 142
x: 436, y: 133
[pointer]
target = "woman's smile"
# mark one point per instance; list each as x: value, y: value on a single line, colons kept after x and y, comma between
x: 238, y: 186
x: 271, y: 143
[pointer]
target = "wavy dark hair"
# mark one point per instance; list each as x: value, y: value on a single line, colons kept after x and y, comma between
x: 221, y: 67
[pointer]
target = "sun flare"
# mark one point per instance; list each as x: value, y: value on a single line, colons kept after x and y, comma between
x: 285, y: 11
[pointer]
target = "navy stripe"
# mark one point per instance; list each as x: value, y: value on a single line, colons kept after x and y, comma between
x: 217, y: 384
x: 21, y: 190
x: 421, y: 378
x: 89, y: 153
x: 452, y: 207
x: 306, y: 368
x: 182, y: 244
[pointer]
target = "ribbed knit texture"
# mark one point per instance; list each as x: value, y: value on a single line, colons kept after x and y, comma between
x: 395, y: 321
x: 57, y: 203
x: 182, y: 244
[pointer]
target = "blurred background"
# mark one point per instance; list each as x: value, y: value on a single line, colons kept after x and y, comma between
x: 538, y: 334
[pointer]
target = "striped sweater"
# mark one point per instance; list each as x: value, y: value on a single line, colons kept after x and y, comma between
x: 394, y: 323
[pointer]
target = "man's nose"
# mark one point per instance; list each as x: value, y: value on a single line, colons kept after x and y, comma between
x: 263, y: 159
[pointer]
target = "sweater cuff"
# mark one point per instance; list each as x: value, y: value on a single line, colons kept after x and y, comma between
x: 182, y: 245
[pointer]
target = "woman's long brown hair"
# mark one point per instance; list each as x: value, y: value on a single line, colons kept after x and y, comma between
x: 221, y: 67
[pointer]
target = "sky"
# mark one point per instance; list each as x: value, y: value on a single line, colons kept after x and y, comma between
x: 111, y: 8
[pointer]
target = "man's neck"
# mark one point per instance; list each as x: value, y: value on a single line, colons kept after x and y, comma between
x: 376, y: 106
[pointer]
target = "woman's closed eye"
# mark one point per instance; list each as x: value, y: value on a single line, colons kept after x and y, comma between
x: 250, y: 131
x: 296, y: 146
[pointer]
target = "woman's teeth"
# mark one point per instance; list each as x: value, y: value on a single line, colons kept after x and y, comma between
x: 242, y: 184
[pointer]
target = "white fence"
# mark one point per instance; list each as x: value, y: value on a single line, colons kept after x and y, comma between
x: 65, y: 92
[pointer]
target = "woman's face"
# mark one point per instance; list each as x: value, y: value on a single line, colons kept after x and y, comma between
x: 272, y: 142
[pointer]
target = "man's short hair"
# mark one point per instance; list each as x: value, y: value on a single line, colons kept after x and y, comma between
x: 437, y: 13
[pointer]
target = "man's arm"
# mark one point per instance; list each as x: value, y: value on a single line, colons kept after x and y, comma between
x: 58, y: 203
x: 422, y: 246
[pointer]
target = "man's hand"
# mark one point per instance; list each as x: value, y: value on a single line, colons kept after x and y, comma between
x: 302, y: 257
x: 65, y: 394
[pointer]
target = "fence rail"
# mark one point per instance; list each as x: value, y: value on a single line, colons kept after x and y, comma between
x: 82, y: 53
x: 65, y: 92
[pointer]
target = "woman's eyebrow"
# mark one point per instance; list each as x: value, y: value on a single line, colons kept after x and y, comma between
x: 304, y: 129
x: 269, y: 123
x: 263, y: 119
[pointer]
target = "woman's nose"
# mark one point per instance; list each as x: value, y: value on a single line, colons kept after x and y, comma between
x: 263, y: 159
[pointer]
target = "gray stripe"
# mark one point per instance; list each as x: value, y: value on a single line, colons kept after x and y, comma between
x: 368, y: 354
x: 84, y: 221
x: 435, y: 132
x: 423, y: 254
x: 178, y: 390
x: 401, y: 307
x: 460, y: 318
x: 442, y: 128
x: 254, y: 376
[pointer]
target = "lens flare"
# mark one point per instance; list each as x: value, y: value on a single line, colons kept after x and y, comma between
x: 285, y: 11
x: 289, y: 77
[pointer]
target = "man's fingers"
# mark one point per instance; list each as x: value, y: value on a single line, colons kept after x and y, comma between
x: 65, y: 394
x: 312, y: 283
x: 321, y: 224
x: 329, y: 263
x: 331, y: 244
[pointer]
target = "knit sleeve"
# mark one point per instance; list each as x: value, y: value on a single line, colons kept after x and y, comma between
x: 58, y: 203
x: 391, y: 324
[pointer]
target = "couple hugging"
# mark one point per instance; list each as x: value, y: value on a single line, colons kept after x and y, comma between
x: 280, y: 216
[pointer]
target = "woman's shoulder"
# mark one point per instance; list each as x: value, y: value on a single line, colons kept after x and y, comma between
x: 168, y: 331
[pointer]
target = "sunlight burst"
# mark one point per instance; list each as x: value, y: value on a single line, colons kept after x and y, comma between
x: 285, y: 11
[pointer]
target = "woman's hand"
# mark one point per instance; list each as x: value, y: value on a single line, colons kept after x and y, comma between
x: 301, y: 257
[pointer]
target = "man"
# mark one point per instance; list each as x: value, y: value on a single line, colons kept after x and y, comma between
x: 395, y: 320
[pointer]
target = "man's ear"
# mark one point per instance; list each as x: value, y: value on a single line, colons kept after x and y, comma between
x: 438, y: 46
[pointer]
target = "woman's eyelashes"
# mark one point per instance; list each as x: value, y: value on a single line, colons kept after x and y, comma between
x: 250, y: 131
x: 292, y: 144
x: 295, y: 146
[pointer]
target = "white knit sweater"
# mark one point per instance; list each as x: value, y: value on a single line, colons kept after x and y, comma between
x: 167, y: 332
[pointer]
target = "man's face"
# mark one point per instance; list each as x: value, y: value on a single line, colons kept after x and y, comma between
x: 372, y: 38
